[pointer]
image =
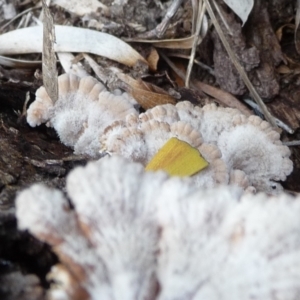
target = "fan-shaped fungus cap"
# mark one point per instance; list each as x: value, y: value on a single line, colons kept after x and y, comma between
x: 81, y: 113
x: 141, y: 140
x: 102, y: 113
x: 107, y: 244
x: 256, y: 149
x: 41, y: 110
x: 247, y: 144
x: 125, y: 141
x: 130, y: 228
x: 216, y: 245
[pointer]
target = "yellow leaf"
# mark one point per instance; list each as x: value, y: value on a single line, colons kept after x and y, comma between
x: 177, y: 158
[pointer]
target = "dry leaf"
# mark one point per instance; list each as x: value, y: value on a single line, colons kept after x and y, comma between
x: 70, y: 39
x: 222, y: 97
x: 283, y: 69
x: 279, y: 31
x: 241, y: 7
x: 146, y: 94
x: 153, y: 59
x: 177, y: 158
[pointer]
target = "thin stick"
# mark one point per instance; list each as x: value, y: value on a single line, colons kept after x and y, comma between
x: 201, y: 10
x: 48, y: 55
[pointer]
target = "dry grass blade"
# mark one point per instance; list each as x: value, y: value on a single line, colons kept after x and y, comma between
x: 279, y: 123
x: 238, y: 66
x: 228, y: 29
x: 201, y: 10
x: 196, y: 61
x: 49, y: 58
x: 195, y: 15
x: 19, y: 63
x: 183, y: 43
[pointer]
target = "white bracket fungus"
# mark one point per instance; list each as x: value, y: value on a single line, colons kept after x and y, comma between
x: 241, y: 150
x: 81, y: 113
x: 130, y: 230
x: 247, y: 146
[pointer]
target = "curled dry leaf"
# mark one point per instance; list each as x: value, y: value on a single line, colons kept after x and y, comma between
x: 70, y: 39
x: 146, y: 94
